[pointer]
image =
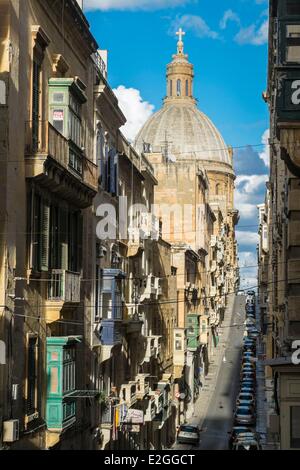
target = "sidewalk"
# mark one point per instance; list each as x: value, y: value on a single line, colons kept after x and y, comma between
x: 203, y: 402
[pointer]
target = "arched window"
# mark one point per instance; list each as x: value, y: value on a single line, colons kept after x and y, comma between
x: 186, y: 88
x: 178, y: 87
x: 217, y: 189
x: 171, y: 87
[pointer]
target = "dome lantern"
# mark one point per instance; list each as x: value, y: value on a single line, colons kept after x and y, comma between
x: 180, y: 75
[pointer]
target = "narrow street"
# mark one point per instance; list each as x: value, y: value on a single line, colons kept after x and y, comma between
x: 218, y: 419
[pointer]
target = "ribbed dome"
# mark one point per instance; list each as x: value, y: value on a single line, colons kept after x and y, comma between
x: 190, y: 133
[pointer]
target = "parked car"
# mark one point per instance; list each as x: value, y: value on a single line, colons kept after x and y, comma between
x: 248, y: 367
x: 188, y: 434
x: 247, y: 375
x: 250, y: 321
x: 254, y: 334
x: 246, y: 444
x: 251, y: 293
x: 249, y: 354
x: 236, y: 430
x: 245, y: 415
x: 248, y: 359
x: 247, y: 388
x: 250, y: 309
x: 248, y: 381
x: 246, y: 397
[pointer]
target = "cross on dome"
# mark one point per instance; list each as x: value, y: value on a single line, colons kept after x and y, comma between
x: 180, y: 35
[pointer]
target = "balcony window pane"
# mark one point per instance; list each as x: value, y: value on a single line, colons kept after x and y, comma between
x: 293, y: 43
x: 293, y: 7
x: 295, y: 427
x: 106, y: 306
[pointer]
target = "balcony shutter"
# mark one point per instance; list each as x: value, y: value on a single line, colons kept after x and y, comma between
x: 44, y: 237
x: 55, y: 256
x: 112, y: 172
x: 35, y: 103
x: 63, y: 237
x: 116, y: 165
x: 33, y: 229
x: 31, y: 376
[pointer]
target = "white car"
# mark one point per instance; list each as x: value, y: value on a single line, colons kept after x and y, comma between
x: 188, y: 434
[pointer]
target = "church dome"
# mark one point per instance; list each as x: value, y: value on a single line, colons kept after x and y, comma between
x: 186, y: 132
x: 180, y: 130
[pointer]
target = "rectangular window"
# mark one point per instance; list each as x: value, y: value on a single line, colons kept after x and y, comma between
x: 295, y: 427
x: 111, y: 298
x: 69, y: 364
x: 293, y: 43
x: 75, y: 121
x: 75, y: 161
x: 58, y: 119
x: 31, y: 376
x: 75, y: 241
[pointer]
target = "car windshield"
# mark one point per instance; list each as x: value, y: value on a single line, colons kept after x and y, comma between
x: 188, y: 429
x: 244, y: 411
x: 240, y: 431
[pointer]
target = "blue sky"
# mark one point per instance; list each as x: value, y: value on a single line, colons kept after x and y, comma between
x: 227, y: 42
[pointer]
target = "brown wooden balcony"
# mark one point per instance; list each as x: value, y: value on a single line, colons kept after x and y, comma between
x: 63, y: 289
x: 50, y: 160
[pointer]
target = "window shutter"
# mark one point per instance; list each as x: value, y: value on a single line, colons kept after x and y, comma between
x: 116, y: 165
x: 31, y: 376
x: 35, y: 103
x: 33, y: 212
x: 63, y: 238
x: 54, y: 245
x: 112, y: 179
x: 44, y: 236
x: 79, y: 241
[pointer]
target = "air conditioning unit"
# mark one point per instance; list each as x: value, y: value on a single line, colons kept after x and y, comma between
x: 11, y: 430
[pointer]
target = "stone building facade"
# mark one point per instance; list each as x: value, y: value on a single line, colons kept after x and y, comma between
x: 280, y: 283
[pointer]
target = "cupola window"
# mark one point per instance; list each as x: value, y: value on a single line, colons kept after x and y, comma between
x: 186, y: 88
x: 178, y: 87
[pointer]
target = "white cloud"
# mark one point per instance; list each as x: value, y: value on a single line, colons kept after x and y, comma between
x: 251, y: 183
x: 193, y: 23
x: 248, y: 269
x: 106, y: 5
x: 246, y: 237
x: 134, y: 108
x: 253, y: 34
x: 265, y: 154
x: 249, y: 192
x: 247, y: 259
x: 229, y: 15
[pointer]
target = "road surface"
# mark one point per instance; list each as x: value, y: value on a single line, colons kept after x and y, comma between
x: 219, y: 417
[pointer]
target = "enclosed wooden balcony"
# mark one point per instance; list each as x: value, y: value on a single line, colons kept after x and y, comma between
x: 56, y: 164
x: 63, y: 290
